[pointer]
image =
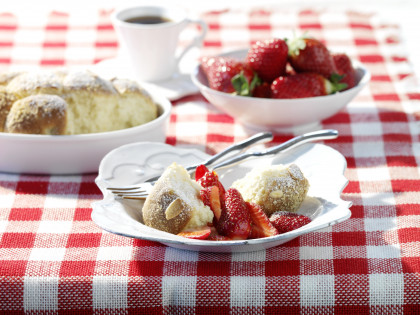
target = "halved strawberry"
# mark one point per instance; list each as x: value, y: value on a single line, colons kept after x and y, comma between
x: 235, y: 221
x: 261, y: 225
x: 285, y: 221
x: 200, y: 233
x: 200, y: 171
x: 215, y: 236
x: 209, y: 179
x: 211, y: 197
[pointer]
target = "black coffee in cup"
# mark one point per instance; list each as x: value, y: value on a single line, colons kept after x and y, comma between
x: 150, y: 19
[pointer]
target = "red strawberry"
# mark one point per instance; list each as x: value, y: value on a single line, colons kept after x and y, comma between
x: 303, y: 85
x: 263, y: 90
x: 229, y: 75
x: 215, y: 236
x: 285, y: 221
x: 210, y: 197
x: 345, y: 69
x: 235, y: 221
x: 268, y: 58
x: 200, y: 233
x: 311, y: 55
x: 209, y: 179
x: 200, y: 171
x: 261, y: 225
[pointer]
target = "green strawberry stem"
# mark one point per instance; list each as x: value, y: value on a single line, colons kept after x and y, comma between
x: 334, y: 83
x: 242, y: 86
x: 297, y: 43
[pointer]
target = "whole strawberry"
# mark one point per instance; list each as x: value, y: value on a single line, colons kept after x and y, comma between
x: 229, y: 75
x: 235, y: 221
x: 345, y: 69
x: 303, y: 85
x: 268, y: 58
x: 311, y: 55
x: 285, y: 221
x: 262, y: 90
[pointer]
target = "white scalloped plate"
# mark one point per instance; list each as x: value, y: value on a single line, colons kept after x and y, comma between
x: 130, y: 164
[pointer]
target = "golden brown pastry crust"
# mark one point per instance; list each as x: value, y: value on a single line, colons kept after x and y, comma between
x: 38, y: 114
x: 281, y: 189
x: 174, y: 203
x: 31, y: 83
x: 155, y: 210
x: 5, y: 105
x: 94, y: 104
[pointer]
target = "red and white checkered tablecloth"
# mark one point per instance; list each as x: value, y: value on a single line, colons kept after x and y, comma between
x: 55, y: 260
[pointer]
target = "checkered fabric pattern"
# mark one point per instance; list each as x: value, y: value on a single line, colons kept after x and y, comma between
x: 55, y: 260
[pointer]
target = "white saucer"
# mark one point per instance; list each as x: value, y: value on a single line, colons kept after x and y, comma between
x: 179, y: 86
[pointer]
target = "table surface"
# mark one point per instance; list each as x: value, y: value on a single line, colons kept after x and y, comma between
x: 54, y: 259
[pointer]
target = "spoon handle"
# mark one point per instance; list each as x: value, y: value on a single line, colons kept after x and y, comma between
x: 307, y: 137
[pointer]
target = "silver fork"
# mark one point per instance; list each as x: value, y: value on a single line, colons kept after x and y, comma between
x: 142, y: 190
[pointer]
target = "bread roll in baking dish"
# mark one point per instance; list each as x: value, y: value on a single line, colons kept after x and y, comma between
x: 68, y: 103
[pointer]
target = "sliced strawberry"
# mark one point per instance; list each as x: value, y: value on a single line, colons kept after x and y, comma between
x: 311, y: 55
x: 211, y: 178
x: 235, y: 221
x: 215, y: 236
x: 285, y: 221
x: 268, y: 58
x: 303, y: 85
x: 261, y: 225
x: 210, y: 197
x: 200, y: 233
x: 200, y: 171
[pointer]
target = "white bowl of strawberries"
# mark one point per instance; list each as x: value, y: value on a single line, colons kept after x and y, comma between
x: 280, y: 85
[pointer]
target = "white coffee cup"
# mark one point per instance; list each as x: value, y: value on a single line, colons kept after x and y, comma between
x: 152, y: 48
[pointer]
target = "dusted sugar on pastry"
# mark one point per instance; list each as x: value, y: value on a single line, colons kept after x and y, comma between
x: 274, y: 187
x: 5, y: 105
x: 38, y: 114
x: 174, y: 203
x: 94, y: 104
x: 31, y: 83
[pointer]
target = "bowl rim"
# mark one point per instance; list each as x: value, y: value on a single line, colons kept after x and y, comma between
x: 164, y: 105
x: 356, y: 64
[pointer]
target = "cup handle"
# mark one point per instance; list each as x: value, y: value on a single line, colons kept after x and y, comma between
x: 197, y: 40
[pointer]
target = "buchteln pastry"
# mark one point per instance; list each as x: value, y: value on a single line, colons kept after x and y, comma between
x: 174, y: 203
x: 91, y: 104
x: 274, y: 187
x: 38, y: 114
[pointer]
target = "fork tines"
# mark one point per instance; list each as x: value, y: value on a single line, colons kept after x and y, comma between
x: 129, y: 193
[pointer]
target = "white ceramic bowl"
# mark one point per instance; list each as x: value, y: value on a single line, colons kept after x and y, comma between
x: 75, y: 154
x: 279, y: 114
